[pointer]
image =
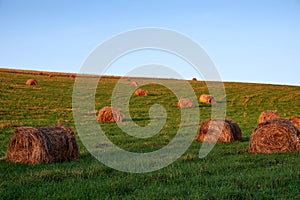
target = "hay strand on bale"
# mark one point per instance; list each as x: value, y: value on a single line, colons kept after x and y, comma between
x: 134, y: 84
x: 141, y: 92
x: 295, y: 121
x: 207, y: 99
x: 109, y: 114
x: 219, y: 130
x: 31, y: 82
x: 267, y: 115
x: 185, y: 103
x: 49, y: 144
x: 273, y: 136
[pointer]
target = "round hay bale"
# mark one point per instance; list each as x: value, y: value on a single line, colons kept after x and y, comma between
x: 49, y: 144
x: 219, y: 130
x: 31, y: 82
x: 273, y: 136
x: 72, y: 76
x: 185, y: 103
x: 267, y: 115
x: 141, y: 92
x: 295, y: 121
x: 134, y: 84
x: 41, y: 73
x: 237, y: 132
x: 51, y: 75
x: 208, y: 99
x: 194, y: 79
x: 109, y: 114
x: 128, y: 79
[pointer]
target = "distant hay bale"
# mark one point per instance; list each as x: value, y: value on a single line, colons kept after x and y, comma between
x: 185, y: 103
x: 51, y: 75
x: 134, y: 84
x: 72, y: 76
x: 31, y: 82
x: 267, y: 115
x: 194, y: 79
x: 109, y: 114
x: 141, y: 92
x: 49, y: 144
x: 41, y: 73
x: 208, y: 99
x: 128, y: 78
x: 273, y: 136
x: 295, y: 121
x: 219, y: 130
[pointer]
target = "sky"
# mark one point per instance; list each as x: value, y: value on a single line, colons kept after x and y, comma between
x: 248, y: 40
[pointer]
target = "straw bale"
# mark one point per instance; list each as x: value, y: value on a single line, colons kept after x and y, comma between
x: 48, y: 144
x: 31, y: 82
x: 185, y: 103
x: 267, y: 115
x: 208, y: 99
x: 295, y: 121
x: 110, y: 114
x: 219, y: 130
x: 274, y: 135
x: 141, y: 92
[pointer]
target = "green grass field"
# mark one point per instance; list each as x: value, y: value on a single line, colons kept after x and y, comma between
x: 228, y: 172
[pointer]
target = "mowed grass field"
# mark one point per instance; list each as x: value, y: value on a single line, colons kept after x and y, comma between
x: 228, y: 172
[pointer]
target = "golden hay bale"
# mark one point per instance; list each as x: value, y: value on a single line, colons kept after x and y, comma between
x: 227, y: 129
x: 185, y: 103
x: 141, y: 92
x: 51, y: 75
x: 237, y: 132
x: 109, y: 114
x: 295, y: 121
x: 134, y: 84
x: 31, y: 82
x: 275, y: 135
x: 49, y: 144
x: 208, y: 99
x: 72, y: 76
x: 267, y: 115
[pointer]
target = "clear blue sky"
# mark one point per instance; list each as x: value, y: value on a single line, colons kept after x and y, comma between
x: 249, y: 40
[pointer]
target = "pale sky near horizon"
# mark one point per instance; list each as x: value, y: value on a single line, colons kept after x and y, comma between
x: 248, y: 40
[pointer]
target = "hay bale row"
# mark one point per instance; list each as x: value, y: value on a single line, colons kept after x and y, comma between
x: 109, y: 114
x: 273, y: 136
x: 219, y: 130
x: 49, y: 144
x: 207, y: 99
x: 31, y: 82
x: 185, y: 103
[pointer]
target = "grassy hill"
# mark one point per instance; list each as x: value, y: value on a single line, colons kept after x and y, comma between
x: 229, y: 171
